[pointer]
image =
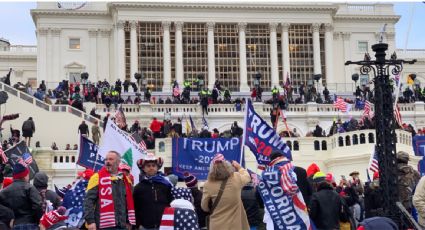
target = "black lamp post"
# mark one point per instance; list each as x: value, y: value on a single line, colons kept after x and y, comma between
x: 138, y: 76
x: 385, y: 130
x: 355, y: 78
x: 317, y: 77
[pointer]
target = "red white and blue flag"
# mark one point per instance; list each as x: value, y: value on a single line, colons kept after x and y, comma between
x: 277, y: 183
x: 3, y: 156
x: 178, y: 219
x: 341, y: 104
x: 373, y: 163
x: 397, y: 115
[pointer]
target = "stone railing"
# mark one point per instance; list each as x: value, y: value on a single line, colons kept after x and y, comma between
x: 51, y: 108
x: 411, y: 53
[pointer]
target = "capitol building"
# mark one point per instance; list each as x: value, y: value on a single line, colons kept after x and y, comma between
x: 228, y: 41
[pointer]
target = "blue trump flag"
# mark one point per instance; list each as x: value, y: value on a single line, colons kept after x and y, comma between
x: 194, y: 155
x: 88, y: 157
x: 261, y: 138
x: 419, y: 149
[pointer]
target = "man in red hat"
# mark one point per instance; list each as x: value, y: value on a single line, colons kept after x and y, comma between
x: 23, y: 199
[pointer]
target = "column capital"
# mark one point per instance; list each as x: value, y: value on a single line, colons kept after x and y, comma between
x: 328, y: 27
x: 42, y: 31
x: 105, y: 32
x: 133, y: 25
x: 315, y: 27
x: 346, y: 35
x: 120, y: 24
x: 166, y: 25
x: 92, y: 32
x: 210, y: 25
x: 285, y: 26
x: 179, y: 25
x: 273, y: 26
x: 337, y: 34
x: 242, y: 26
x: 55, y: 32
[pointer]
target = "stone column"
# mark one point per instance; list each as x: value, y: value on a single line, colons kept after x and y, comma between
x: 120, y: 50
x: 347, y: 55
x: 244, y: 87
x: 285, y: 51
x: 56, y: 64
x: 273, y: 55
x: 316, y: 48
x: 92, y: 70
x: 329, y: 39
x: 49, y: 60
x: 166, y: 87
x: 41, y: 54
x: 179, y: 54
x: 211, y: 55
x: 104, y: 55
x: 134, y: 57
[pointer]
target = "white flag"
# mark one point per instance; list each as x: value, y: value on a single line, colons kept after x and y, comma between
x: 115, y: 139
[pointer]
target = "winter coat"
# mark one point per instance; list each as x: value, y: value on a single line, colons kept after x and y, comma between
x: 197, y: 198
x: 250, y: 200
x: 229, y: 214
x: 303, y: 183
x: 325, y: 207
x: 92, y: 201
x: 28, y: 126
x: 419, y: 201
x: 156, y: 126
x: 150, y: 200
x: 40, y: 183
x: 373, y: 201
x: 6, y: 215
x: 24, y: 200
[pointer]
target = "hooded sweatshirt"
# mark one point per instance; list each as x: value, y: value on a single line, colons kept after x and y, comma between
x: 51, y: 198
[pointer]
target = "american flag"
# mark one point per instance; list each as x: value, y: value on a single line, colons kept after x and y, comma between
x: 288, y: 181
x: 397, y: 115
x: 373, y: 163
x: 139, y: 140
x: 73, y: 202
x: 179, y: 219
x: 368, y: 109
x: 27, y: 158
x: 3, y: 156
x: 340, y: 104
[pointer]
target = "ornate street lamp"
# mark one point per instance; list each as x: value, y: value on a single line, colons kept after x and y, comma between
x: 84, y: 77
x: 385, y: 123
x: 138, y: 76
x: 355, y: 78
x: 317, y: 77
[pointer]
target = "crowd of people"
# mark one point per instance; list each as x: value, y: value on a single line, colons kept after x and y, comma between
x: 229, y: 198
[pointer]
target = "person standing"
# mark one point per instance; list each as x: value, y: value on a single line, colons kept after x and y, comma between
x: 50, y: 200
x: 83, y: 129
x: 108, y: 203
x: 28, y: 129
x: 192, y: 183
x: 152, y: 194
x: 223, y: 190
x: 95, y: 132
x: 23, y: 199
x: 419, y: 201
x: 408, y: 178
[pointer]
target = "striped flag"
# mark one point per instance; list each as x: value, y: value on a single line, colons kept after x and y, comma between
x: 139, y: 140
x: 3, y: 156
x: 368, y: 109
x: 397, y: 115
x: 373, y: 163
x: 178, y: 218
x: 288, y: 182
x: 340, y: 104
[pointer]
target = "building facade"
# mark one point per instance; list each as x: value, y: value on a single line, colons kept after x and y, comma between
x: 229, y: 42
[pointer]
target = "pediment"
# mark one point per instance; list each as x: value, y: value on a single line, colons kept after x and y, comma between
x: 75, y: 65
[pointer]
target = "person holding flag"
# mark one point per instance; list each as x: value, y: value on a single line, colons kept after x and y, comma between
x: 108, y: 203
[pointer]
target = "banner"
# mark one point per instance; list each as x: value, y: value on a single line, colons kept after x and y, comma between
x: 418, y: 143
x: 73, y: 202
x: 194, y: 155
x: 20, y: 153
x: 115, y: 139
x: 282, y: 198
x: 261, y: 138
x: 88, y: 157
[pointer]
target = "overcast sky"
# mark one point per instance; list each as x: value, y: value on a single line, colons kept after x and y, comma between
x: 17, y: 26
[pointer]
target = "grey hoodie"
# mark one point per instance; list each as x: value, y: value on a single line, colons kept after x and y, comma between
x: 40, y: 183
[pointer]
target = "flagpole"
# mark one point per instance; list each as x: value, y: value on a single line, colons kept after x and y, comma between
x: 244, y: 130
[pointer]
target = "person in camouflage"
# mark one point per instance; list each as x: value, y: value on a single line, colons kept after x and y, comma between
x: 407, y: 179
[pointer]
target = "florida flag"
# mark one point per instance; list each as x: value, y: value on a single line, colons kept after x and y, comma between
x: 179, y: 219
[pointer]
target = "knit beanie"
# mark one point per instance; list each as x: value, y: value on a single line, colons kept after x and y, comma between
x: 376, y: 175
x: 218, y: 158
x: 319, y: 177
x: 190, y: 180
x: 53, y: 217
x: 20, y: 171
x: 7, y: 181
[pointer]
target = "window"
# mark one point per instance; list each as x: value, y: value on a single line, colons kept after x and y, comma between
x: 316, y: 145
x: 324, y: 145
x: 362, y: 47
x: 74, y: 43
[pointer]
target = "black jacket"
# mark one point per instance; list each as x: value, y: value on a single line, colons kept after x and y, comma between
x: 251, y: 202
x: 150, y: 199
x: 40, y: 183
x: 6, y: 215
x: 24, y: 200
x: 325, y: 207
x: 197, y: 197
x: 303, y: 183
x: 373, y: 201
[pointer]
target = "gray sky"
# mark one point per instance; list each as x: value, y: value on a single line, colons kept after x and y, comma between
x: 17, y: 26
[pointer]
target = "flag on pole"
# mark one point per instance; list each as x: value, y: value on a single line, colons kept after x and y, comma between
x: 73, y: 202
x: 397, y: 115
x: 368, y: 109
x: 204, y: 121
x: 340, y: 104
x: 115, y: 139
x: 187, y: 126
x: 192, y: 124
x: 20, y: 153
x: 373, y: 163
